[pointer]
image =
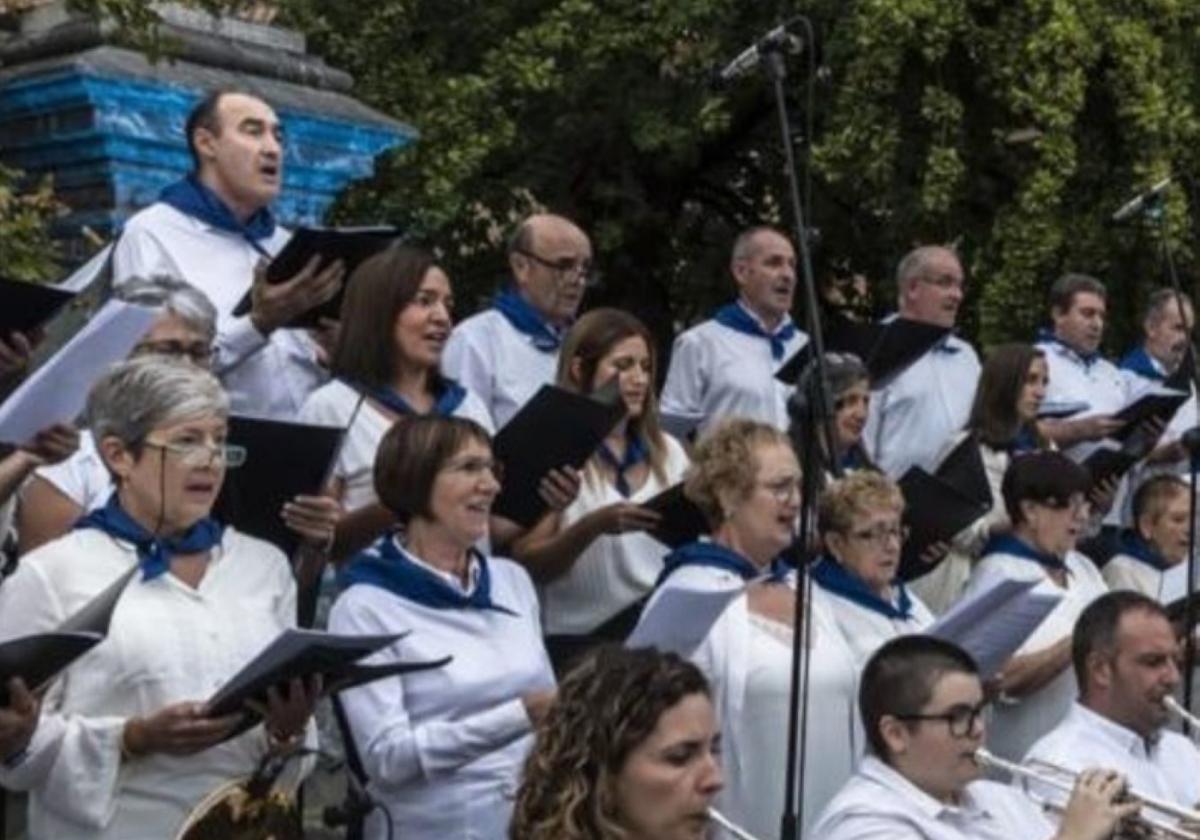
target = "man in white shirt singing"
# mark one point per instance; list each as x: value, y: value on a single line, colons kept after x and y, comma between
x: 725, y: 366
x: 214, y: 229
x: 922, y: 705
x: 913, y: 415
x: 1124, y: 651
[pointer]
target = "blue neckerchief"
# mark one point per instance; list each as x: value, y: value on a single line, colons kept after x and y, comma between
x: 1009, y: 544
x: 635, y: 453
x: 448, y: 397
x: 1025, y: 441
x: 386, y: 566
x: 192, y: 198
x: 944, y: 346
x: 1139, y: 361
x: 855, y: 459
x: 1088, y: 359
x: 528, y: 321
x: 831, y: 576
x: 1132, y: 544
x: 735, y: 316
x: 154, y: 553
x: 713, y: 555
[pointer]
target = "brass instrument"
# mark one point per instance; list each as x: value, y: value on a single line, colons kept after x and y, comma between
x: 1061, y: 779
x: 250, y: 808
x: 730, y: 826
x: 1175, y: 707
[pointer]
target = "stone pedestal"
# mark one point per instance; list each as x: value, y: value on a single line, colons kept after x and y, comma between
x: 108, y: 123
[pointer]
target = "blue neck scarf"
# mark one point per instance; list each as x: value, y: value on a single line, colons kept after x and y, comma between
x: 1132, y: 544
x: 1139, y: 361
x: 945, y: 347
x: 735, y: 316
x: 635, y: 453
x: 448, y: 396
x: 831, y: 576
x: 855, y: 459
x: 154, y: 553
x: 528, y: 321
x: 1025, y: 441
x: 716, y: 556
x: 192, y: 198
x: 1088, y: 359
x: 386, y: 566
x: 1009, y: 544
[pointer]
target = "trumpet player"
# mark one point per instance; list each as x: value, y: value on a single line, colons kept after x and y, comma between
x: 1125, y: 658
x: 922, y: 704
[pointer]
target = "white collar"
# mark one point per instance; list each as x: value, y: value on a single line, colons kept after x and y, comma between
x: 450, y: 578
x: 1120, y: 736
x: 882, y: 774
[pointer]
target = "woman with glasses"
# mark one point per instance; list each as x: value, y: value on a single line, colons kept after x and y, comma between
x: 859, y: 520
x: 442, y: 749
x: 1044, y: 497
x: 125, y: 747
x: 594, y: 560
x: 746, y: 480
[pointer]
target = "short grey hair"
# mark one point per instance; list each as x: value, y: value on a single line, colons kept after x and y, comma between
x: 745, y: 246
x: 915, y: 264
x: 175, y: 295
x: 1159, y: 300
x: 134, y: 397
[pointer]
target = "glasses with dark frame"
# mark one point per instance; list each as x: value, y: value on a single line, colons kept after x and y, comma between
x: 566, y: 267
x: 200, y: 352
x: 960, y: 720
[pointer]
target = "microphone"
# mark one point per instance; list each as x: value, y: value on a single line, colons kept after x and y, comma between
x: 1135, y: 206
x: 749, y: 58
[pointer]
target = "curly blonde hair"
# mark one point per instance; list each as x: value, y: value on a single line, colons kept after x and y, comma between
x: 607, y: 706
x: 724, y: 463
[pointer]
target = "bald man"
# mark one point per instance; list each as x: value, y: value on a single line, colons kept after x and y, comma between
x: 506, y: 353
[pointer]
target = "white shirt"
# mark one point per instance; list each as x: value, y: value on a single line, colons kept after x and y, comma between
x: 865, y: 630
x: 879, y: 803
x: 1169, y: 769
x: 82, y: 478
x: 1015, y: 726
x: 1098, y: 383
x: 443, y: 749
x: 616, y: 570
x: 335, y: 403
x: 265, y: 376
x: 717, y: 372
x: 167, y: 643
x: 490, y: 357
x: 917, y: 412
x: 747, y: 659
x: 1125, y: 572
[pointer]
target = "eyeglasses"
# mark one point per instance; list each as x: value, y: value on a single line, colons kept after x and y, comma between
x: 475, y: 467
x: 199, y: 352
x: 566, y: 267
x: 203, y: 454
x: 961, y: 720
x: 880, y: 534
x: 784, y: 489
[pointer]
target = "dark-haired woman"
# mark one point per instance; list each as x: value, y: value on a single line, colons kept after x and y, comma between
x: 629, y: 751
x: 443, y: 748
x: 594, y: 560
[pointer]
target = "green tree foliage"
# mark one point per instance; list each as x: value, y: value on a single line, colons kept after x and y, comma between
x: 27, y: 251
x: 1008, y: 128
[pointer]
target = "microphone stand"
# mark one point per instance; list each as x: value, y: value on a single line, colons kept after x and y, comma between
x: 1153, y: 210
x: 814, y: 407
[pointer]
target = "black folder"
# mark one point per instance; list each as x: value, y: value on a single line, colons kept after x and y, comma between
x: 39, y: 658
x: 282, y: 460
x: 555, y: 428
x: 886, y: 348
x: 1108, y: 462
x: 963, y: 469
x: 681, y: 523
x: 353, y: 246
x: 303, y: 654
x: 26, y: 306
x: 1154, y: 404
x: 934, y: 511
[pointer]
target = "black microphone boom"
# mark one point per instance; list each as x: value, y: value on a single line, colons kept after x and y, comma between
x: 1140, y: 202
x: 777, y: 39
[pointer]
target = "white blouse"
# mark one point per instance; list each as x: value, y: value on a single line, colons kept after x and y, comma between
x: 865, y: 630
x: 167, y: 643
x: 335, y: 403
x: 747, y: 659
x: 443, y: 749
x: 616, y: 569
x: 1017, y: 723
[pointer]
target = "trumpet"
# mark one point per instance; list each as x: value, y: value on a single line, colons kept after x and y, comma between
x: 1187, y: 717
x: 730, y: 826
x: 1061, y: 779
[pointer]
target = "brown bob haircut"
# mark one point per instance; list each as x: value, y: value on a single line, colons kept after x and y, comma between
x: 376, y: 293
x: 411, y: 455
